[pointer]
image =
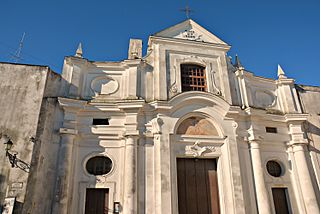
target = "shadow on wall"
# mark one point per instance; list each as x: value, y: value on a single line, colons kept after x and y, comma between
x: 312, y: 128
x: 2, y: 190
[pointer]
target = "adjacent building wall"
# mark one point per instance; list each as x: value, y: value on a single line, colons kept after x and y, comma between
x: 28, y: 112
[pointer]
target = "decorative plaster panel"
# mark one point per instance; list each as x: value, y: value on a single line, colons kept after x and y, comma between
x: 264, y: 99
x: 104, y: 85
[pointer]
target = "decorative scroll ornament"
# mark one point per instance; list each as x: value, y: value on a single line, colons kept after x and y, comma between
x: 156, y: 125
x: 213, y: 74
x: 173, y: 87
x: 101, y: 178
x: 196, y: 150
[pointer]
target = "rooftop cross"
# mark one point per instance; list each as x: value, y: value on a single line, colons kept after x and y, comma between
x: 187, y: 10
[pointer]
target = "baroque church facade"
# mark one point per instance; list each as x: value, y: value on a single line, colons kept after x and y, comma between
x: 180, y: 130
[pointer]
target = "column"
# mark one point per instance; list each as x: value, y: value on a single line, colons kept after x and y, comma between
x: 130, y: 179
x: 63, y: 191
x: 308, y: 193
x: 262, y: 197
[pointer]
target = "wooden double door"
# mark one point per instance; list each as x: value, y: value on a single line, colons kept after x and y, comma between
x: 97, y: 201
x: 197, y: 186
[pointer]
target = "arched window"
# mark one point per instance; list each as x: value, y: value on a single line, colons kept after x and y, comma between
x: 193, y: 78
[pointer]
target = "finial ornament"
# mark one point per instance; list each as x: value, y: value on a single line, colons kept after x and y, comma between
x: 281, y: 74
x: 238, y: 63
x: 79, y: 51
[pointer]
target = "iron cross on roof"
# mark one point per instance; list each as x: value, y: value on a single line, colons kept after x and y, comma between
x: 187, y: 10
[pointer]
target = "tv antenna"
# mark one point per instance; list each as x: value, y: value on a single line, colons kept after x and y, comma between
x: 187, y: 10
x: 17, y: 56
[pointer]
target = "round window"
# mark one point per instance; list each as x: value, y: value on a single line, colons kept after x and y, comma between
x: 99, y: 165
x: 274, y: 168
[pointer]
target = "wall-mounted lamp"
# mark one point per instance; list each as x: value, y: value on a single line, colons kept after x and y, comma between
x: 9, y: 145
x: 12, y: 158
x: 116, y: 207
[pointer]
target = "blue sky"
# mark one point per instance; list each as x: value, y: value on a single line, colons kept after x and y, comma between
x: 263, y: 33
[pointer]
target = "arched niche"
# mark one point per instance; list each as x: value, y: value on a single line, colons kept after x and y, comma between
x: 196, y: 125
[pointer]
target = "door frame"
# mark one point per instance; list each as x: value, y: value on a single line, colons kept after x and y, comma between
x: 180, y: 144
x: 83, y: 186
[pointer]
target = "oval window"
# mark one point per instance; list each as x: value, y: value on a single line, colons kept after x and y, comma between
x: 274, y: 168
x: 99, y: 165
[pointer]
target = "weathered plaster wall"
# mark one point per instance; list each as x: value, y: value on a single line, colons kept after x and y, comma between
x: 21, y: 89
x: 310, y: 97
x: 28, y: 113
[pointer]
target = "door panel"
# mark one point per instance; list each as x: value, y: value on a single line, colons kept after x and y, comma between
x: 197, y: 186
x: 97, y: 201
x: 280, y: 200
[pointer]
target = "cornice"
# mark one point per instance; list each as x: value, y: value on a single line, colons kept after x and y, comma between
x: 189, y: 42
x: 68, y: 103
x: 284, y: 81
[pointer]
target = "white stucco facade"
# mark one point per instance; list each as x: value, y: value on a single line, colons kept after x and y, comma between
x: 143, y: 101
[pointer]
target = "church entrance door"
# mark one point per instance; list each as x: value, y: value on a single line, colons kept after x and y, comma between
x: 97, y: 201
x: 197, y: 186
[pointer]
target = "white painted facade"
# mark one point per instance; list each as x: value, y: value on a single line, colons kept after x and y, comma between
x: 144, y: 103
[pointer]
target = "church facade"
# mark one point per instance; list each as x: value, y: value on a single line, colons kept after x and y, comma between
x: 180, y: 130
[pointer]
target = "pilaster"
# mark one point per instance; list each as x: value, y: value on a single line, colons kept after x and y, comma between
x: 263, y: 201
x: 130, y: 180
x: 301, y: 174
x: 287, y: 94
x: 242, y: 86
x: 68, y: 133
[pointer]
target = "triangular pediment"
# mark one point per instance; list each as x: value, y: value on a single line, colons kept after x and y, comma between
x: 190, y: 30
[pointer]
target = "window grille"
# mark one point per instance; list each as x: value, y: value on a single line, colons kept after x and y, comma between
x: 193, y: 78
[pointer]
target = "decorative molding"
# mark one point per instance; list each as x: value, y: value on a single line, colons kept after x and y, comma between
x: 196, y: 150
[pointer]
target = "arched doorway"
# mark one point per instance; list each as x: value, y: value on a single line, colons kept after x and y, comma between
x: 197, y: 181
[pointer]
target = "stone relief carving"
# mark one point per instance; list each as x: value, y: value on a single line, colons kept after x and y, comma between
x: 104, y: 85
x: 196, y: 150
x: 216, y: 90
x: 191, y: 35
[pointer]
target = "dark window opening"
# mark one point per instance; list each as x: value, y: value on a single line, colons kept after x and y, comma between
x: 271, y: 130
x: 274, y: 168
x: 99, y: 165
x: 193, y: 78
x: 100, y: 121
